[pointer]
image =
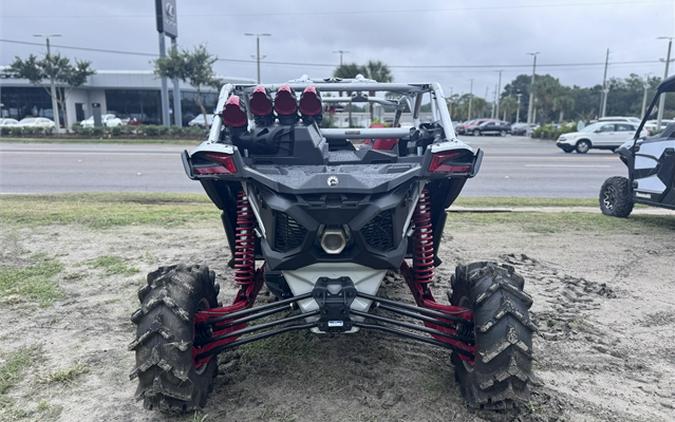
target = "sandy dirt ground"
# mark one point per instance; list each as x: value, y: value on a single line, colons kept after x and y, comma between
x: 604, y: 305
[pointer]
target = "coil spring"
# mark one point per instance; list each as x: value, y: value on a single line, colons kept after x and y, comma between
x: 244, y: 243
x: 423, y: 249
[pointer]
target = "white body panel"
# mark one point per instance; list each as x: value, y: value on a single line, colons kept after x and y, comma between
x: 647, y: 158
x: 365, y: 279
x: 651, y: 184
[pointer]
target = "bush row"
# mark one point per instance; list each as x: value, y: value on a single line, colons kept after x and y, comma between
x: 26, y: 131
x: 127, y: 132
x: 551, y: 131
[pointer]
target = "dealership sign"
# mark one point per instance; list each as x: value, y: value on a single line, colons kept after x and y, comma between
x: 166, y: 17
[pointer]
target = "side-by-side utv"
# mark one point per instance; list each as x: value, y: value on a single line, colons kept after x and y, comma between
x: 651, y: 167
x: 319, y: 215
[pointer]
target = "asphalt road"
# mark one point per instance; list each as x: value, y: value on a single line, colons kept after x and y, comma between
x: 513, y: 166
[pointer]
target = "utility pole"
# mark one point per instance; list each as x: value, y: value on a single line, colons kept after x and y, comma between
x: 518, y: 95
x: 530, y: 105
x: 257, y: 56
x: 52, y: 83
x: 499, y: 89
x: 645, y: 87
x: 177, y: 106
x: 341, y: 53
x: 449, y: 98
x: 494, y: 105
x: 605, y: 89
x: 468, y: 113
x: 662, y: 99
x: 164, y: 91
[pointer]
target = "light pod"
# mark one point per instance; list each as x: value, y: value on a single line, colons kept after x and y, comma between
x: 261, y: 106
x: 234, y: 113
x: 311, y: 108
x: 286, y: 105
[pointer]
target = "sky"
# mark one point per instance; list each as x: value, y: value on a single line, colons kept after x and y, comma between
x: 405, y: 35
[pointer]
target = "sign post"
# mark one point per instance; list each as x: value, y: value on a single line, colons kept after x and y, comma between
x: 167, y: 25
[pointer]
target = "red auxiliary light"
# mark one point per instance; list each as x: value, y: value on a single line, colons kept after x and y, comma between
x: 260, y: 102
x: 450, y: 162
x: 310, y: 102
x: 219, y: 164
x: 285, y: 103
x: 234, y: 112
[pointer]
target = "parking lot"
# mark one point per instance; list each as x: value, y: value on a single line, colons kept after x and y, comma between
x: 513, y: 166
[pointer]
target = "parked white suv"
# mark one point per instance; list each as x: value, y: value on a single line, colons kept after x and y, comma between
x: 108, y: 120
x: 600, y: 135
x: 619, y: 119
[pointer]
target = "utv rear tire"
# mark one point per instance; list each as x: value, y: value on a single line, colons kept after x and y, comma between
x: 616, y: 197
x: 502, y: 370
x: 167, y: 377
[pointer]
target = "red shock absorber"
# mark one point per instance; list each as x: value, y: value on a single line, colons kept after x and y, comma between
x: 244, y: 244
x: 423, y: 250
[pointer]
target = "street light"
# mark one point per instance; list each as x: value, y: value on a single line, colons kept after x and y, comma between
x: 662, y: 100
x: 645, y: 87
x: 468, y: 113
x: 530, y: 106
x: 257, y: 36
x: 518, y: 95
x: 341, y: 53
x: 55, y: 106
x: 499, y: 89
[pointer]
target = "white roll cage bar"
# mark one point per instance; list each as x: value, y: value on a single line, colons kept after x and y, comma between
x: 411, y: 97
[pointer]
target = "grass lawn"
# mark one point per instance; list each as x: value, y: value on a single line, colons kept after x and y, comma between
x: 104, y: 210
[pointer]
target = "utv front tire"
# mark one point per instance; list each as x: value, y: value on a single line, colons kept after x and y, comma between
x: 616, y: 197
x: 501, y: 373
x: 167, y: 377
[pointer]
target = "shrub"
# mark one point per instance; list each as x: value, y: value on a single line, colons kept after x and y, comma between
x: 149, y: 130
x: 551, y: 131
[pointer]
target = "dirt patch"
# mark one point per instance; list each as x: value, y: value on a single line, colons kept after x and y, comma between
x: 603, y: 303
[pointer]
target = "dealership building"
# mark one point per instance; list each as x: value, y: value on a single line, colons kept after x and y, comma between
x: 132, y: 94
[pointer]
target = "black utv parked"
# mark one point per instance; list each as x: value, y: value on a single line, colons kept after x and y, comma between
x: 319, y: 216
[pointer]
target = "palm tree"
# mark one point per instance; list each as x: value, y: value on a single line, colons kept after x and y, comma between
x: 377, y: 71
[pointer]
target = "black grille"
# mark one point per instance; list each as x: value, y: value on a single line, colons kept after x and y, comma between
x: 288, y: 234
x: 379, y: 232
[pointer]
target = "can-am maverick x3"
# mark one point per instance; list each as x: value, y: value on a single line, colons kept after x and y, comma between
x: 651, y: 167
x: 319, y: 216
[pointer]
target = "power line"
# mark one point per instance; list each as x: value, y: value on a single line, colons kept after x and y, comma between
x: 538, y: 5
x: 332, y: 65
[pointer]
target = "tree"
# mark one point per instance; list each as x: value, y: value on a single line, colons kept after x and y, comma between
x: 194, y: 67
x: 349, y: 71
x: 508, y: 106
x: 378, y: 71
x: 37, y: 71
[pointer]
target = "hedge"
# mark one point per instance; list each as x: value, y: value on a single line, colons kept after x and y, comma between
x: 551, y: 131
x: 126, y: 132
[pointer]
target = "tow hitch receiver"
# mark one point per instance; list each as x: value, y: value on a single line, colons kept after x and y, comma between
x: 334, y: 297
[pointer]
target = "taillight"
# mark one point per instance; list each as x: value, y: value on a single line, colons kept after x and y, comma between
x: 214, y: 163
x: 451, y: 162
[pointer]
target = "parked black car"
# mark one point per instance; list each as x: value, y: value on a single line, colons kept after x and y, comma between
x: 493, y: 126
